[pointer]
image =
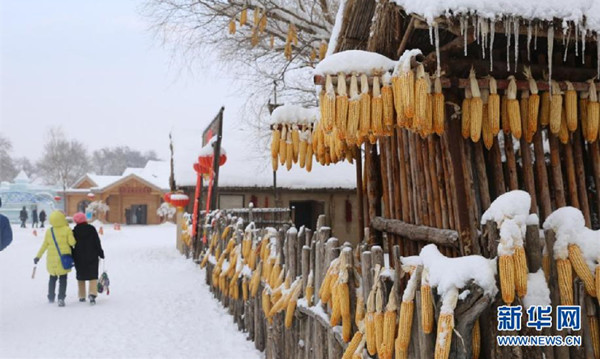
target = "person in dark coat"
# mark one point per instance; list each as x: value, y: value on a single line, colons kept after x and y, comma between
x: 85, y: 254
x: 34, y: 217
x: 23, y: 217
x: 42, y: 218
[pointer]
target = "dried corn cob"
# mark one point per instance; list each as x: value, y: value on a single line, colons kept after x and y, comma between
x: 325, y: 290
x: 245, y: 289
x: 291, y: 306
x: 283, y: 145
x: 353, y: 111
x: 289, y: 151
x: 493, y: 108
x: 512, y: 108
x: 571, y: 106
x: 341, y: 105
x: 262, y: 24
x: 329, y: 104
x: 466, y: 114
x: 563, y: 133
x: 445, y: 325
x: 475, y: 108
x: 353, y: 345
x: 407, y: 88
x: 545, y: 108
x: 255, y: 280
x: 388, y: 102
x: 439, y: 107
x: 476, y: 340
x: 336, y: 310
x: 256, y: 16
x: 359, y: 314
x: 244, y: 16
x: 389, y: 326
x: 595, y: 335
x: 521, y: 271
x: 533, y: 105
x: 295, y: 142
x: 507, y: 278
x: 581, y: 269
x: 344, y: 304
x: 422, y: 89
x: 370, y: 330
x: 358, y: 353
x: 427, y: 313
x: 377, y: 109
x: 404, y: 329
x: 556, y: 109
x: 232, y: 26
x: 254, y: 38
x: 322, y: 50
x: 365, y: 109
x: 504, y: 115
x: 593, y: 114
x: 379, y: 319
x: 565, y: 281
x: 524, y: 106
x: 266, y: 302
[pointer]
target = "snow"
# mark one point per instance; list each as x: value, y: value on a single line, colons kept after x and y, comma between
x: 451, y: 273
x: 537, y: 290
x: 337, y: 28
x: 294, y: 114
x: 359, y: 61
x: 157, y: 299
x: 510, y: 205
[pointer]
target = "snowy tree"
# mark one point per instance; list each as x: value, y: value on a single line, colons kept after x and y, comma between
x: 63, y: 161
x: 114, y: 160
x: 23, y: 163
x: 97, y: 207
x: 8, y: 170
x: 166, y: 211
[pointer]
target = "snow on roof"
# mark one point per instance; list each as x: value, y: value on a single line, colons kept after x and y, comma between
x: 355, y: 61
x: 294, y: 114
x: 585, y: 13
x: 155, y: 172
x: 102, y: 181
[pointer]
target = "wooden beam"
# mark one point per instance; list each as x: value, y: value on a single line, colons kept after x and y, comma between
x: 443, y: 237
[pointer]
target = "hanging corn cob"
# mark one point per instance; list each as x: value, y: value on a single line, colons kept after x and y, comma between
x: 545, y: 108
x: 565, y: 281
x: 326, y: 285
x: 439, y: 107
x: 262, y: 24
x: 376, y: 111
x: 291, y: 305
x: 341, y: 106
x: 466, y: 114
x: 389, y: 326
x: 486, y: 130
x: 256, y: 16
x: 283, y: 145
x: 370, y: 323
x: 344, y: 303
x: 556, y: 107
x: 245, y: 289
x: 354, y: 345
x: 353, y: 111
x: 493, y: 108
x: 322, y: 50
x: 427, y: 313
x: 524, y: 107
x: 475, y: 108
x: 512, y: 108
x: 406, y: 314
x: 309, y: 154
x: 445, y: 325
x: 254, y: 37
x: 255, y: 280
x: 244, y: 16
x: 563, y: 133
x: 365, y: 110
x: 521, y: 270
x: 266, y: 303
x: 595, y: 335
x: 359, y: 313
x: 504, y: 115
x: 533, y: 104
x: 232, y: 26
x: 289, y: 151
x: 571, y: 106
x: 507, y: 276
x: 581, y: 269
x: 304, y: 136
x: 407, y: 88
x: 476, y: 340
x: 379, y: 318
x: 388, y: 96
x: 336, y: 310
x: 420, y: 100
x: 593, y: 114
x: 295, y: 142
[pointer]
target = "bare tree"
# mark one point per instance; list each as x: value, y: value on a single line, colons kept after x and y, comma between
x: 63, y: 161
x: 114, y: 160
x: 8, y: 170
x: 24, y: 163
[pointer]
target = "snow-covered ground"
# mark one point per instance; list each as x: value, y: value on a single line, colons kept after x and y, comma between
x: 159, y: 305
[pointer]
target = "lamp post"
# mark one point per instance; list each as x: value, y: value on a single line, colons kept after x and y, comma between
x: 179, y: 200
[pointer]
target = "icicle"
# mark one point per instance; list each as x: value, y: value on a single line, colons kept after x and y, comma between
x: 492, y: 34
x: 566, y: 43
x: 576, y: 39
x: 431, y: 34
x: 535, y: 37
x: 529, y: 41
x: 476, y: 28
x: 508, y: 33
x: 464, y: 32
x: 516, y: 25
x: 484, y: 36
x: 437, y: 48
x: 550, y: 50
x: 583, y: 37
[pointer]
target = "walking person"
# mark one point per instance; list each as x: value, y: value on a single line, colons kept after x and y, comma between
x: 6, y: 235
x: 42, y: 218
x: 86, y: 253
x: 58, y: 237
x: 34, y: 217
x: 23, y: 217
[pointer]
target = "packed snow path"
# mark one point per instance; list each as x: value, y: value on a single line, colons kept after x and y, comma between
x: 159, y: 304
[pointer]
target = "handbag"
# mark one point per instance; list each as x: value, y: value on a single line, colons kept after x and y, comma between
x: 65, y: 259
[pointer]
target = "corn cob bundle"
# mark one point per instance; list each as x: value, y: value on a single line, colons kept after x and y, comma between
x: 427, y: 312
x: 493, y: 108
x: 322, y: 50
x: 245, y: 289
x: 275, y: 163
x: 598, y: 281
x: 359, y: 314
x: 389, y: 326
x: 304, y: 136
x: 288, y: 281
x: 593, y: 114
x: 353, y: 121
x: 294, y: 34
x: 275, y: 273
x: 377, y: 110
x: 283, y: 145
x: 476, y: 336
x: 521, y: 270
x: 235, y: 288
x: 507, y: 278
x: 595, y: 334
x: 388, y: 97
x: 439, y: 107
x: 309, y: 154
x: 422, y: 89
x: 407, y: 88
x: 404, y: 329
x: 379, y: 319
x: 341, y: 106
x: 325, y: 290
x: 466, y: 114
x: 565, y: 281
x: 279, y: 279
x: 256, y: 16
x: 533, y: 105
x: 295, y: 142
x: 232, y: 26
x: 275, y: 137
x: 370, y: 323
x: 289, y: 151
x: 445, y: 325
x: 244, y: 16
x: 328, y: 104
x: 512, y: 108
x: 583, y: 102
x: 475, y: 108
x: 353, y: 345
x: 486, y: 131
x: 545, y: 108
x: 556, y: 104
x: 344, y: 304
x: 504, y: 115
x: 365, y: 109
x: 524, y: 106
x: 581, y: 269
x: 563, y: 133
x: 204, y: 260
x: 291, y: 306
x: 254, y: 37
x: 336, y: 310
x: 571, y: 106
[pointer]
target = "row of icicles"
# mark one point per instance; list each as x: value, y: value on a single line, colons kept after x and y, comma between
x: 484, y: 113
x: 259, y: 26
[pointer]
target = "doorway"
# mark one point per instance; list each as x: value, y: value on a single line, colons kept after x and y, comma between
x: 306, y: 213
x: 136, y: 214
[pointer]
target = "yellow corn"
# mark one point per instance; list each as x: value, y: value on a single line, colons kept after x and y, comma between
x: 389, y: 327
x: 571, y: 106
x: 521, y: 271
x: 359, y: 314
x: 397, y: 104
x: 276, y: 136
x: 322, y: 50
x: 289, y: 152
x: 302, y: 152
x: 232, y: 26
x: 493, y: 108
x: 595, y: 335
x: 444, y: 335
x: 504, y: 115
x: 476, y: 340
x: 507, y: 278
x: 387, y: 98
x: 309, y: 157
x: 255, y: 281
x: 556, y: 105
x: 245, y: 289
x: 439, y: 108
x: 475, y: 109
x: 243, y: 16
x: 341, y: 105
x: 422, y: 89
x: 353, y: 345
x: 204, y: 260
x: 466, y: 114
x: 370, y: 330
x: 291, y: 305
x: 513, y: 109
x: 325, y: 290
x: 404, y: 328
x: 353, y: 111
x: 295, y: 142
x: 407, y: 86
x: 377, y: 109
x: 344, y: 304
x: 546, y: 262
x: 488, y: 136
x: 266, y: 302
x: 593, y: 115
x: 524, y: 108
x: 256, y: 16
x: 581, y: 269
x: 565, y: 281
x: 533, y: 104
x: 262, y: 24
x: 563, y: 133
x: 283, y: 145
x: 545, y: 109
x: 336, y: 310
x: 427, y: 313
x: 379, y: 319
x: 329, y: 104
x: 365, y: 108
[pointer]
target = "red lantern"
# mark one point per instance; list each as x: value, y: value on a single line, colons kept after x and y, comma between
x: 205, y: 159
x: 57, y: 198
x: 167, y: 197
x: 179, y: 200
x: 201, y: 169
x: 91, y: 195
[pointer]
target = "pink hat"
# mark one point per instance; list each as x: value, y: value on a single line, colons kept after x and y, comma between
x: 79, y: 218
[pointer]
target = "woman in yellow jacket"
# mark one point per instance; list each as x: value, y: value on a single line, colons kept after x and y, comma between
x: 65, y: 240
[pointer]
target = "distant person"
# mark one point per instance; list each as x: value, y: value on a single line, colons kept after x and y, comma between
x: 86, y: 253
x: 63, y: 235
x: 34, y: 218
x: 42, y: 218
x: 23, y: 217
x: 5, y: 231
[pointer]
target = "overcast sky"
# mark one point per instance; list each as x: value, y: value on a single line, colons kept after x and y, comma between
x: 95, y: 68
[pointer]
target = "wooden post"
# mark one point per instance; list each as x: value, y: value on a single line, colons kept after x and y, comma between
x: 557, y: 179
x: 367, y: 278
x: 541, y: 175
x: 511, y: 163
x: 373, y: 189
x: 495, y: 159
x: 291, y: 244
x: 359, y: 194
x: 580, y: 177
x: 571, y: 181
x: 527, y: 167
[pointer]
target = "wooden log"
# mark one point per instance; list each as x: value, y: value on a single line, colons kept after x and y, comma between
x: 259, y: 324
x: 347, y: 258
x: 480, y: 170
x: 407, y: 193
x: 582, y: 189
x: 527, y: 170
x: 300, y: 241
x: 305, y: 264
x: 309, y: 350
x: 367, y: 278
x: 395, y: 160
x: 533, y: 248
x: 511, y: 163
x: 557, y: 178
x: 291, y: 244
x: 423, y: 162
x: 373, y: 189
x: 570, y: 170
x: 471, y: 197
x: 449, y: 192
x: 426, y: 341
x: 588, y: 310
x: 594, y: 155
x: 319, y: 264
x: 398, y: 270
x: 541, y: 175
x: 385, y: 176
x: 495, y: 159
x: 443, y: 237
x: 359, y: 194
x: 440, y: 179
x: 377, y: 257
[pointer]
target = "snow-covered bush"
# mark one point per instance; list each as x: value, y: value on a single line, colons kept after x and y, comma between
x: 166, y: 211
x: 97, y: 207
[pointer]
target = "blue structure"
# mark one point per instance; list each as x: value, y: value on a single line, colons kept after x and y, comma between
x: 24, y: 193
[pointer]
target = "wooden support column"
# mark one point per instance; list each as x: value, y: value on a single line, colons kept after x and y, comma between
x: 528, y: 178
x: 373, y: 190
x: 511, y: 162
x: 580, y: 176
x: 541, y: 175
x: 557, y: 179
